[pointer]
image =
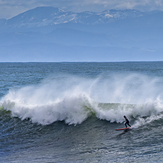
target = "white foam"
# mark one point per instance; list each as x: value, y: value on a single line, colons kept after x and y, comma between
x: 73, y: 99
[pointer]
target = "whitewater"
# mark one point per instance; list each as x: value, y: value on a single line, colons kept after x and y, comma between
x: 51, y: 100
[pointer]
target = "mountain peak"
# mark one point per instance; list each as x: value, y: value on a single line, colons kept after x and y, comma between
x: 45, y: 16
x: 35, y: 16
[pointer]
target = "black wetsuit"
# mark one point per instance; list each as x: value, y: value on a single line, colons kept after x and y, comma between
x: 127, y: 122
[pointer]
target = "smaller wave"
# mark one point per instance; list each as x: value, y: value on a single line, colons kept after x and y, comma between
x: 144, y: 121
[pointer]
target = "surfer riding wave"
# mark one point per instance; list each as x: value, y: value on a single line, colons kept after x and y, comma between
x: 127, y: 122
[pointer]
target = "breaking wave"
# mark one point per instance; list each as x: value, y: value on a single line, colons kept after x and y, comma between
x: 73, y: 99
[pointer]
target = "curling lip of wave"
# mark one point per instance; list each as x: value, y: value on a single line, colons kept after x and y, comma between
x: 74, y: 100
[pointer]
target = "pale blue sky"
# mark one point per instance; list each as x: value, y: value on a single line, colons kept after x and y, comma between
x: 10, y: 8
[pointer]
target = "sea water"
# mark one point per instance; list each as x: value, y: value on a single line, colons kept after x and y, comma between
x: 68, y: 112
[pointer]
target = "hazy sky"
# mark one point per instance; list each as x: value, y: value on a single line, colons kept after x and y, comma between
x: 10, y: 8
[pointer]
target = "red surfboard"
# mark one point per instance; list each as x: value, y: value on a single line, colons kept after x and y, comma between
x: 122, y: 129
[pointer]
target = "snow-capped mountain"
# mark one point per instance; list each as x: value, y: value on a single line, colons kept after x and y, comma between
x: 44, y: 33
x: 45, y: 16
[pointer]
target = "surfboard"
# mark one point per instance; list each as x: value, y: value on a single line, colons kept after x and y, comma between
x: 122, y: 129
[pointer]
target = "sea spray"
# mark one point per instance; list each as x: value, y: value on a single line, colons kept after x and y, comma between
x: 50, y: 101
x: 73, y: 99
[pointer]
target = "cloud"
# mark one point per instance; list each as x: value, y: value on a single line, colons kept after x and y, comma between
x: 10, y: 8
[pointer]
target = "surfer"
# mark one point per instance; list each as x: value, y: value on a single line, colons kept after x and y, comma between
x: 127, y: 122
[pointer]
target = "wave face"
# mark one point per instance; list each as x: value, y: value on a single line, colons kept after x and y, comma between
x: 73, y: 99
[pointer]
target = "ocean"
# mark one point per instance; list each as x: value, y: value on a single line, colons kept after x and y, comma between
x: 68, y: 112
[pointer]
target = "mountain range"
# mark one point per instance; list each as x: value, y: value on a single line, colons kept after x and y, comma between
x: 47, y: 16
x: 51, y: 34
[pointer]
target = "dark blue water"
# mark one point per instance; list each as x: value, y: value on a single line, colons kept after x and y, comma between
x: 68, y: 112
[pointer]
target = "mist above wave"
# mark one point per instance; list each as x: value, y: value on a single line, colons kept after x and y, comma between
x: 73, y: 99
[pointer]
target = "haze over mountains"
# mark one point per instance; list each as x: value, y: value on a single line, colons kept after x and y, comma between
x: 50, y: 34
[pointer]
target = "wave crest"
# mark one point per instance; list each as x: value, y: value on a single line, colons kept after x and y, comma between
x: 72, y: 99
